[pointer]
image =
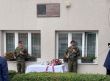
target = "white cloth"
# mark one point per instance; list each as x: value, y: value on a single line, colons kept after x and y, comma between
x: 42, y: 68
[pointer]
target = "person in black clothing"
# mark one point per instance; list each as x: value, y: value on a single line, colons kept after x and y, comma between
x: 3, y: 69
x: 107, y: 63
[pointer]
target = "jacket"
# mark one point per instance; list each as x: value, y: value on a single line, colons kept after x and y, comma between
x: 3, y: 69
x: 107, y: 61
x: 19, y: 56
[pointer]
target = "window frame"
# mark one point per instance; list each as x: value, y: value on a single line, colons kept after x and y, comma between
x: 16, y: 39
x: 83, y: 42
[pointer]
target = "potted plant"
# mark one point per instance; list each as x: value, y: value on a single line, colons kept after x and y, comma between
x: 10, y: 56
x: 88, y: 59
x: 30, y: 58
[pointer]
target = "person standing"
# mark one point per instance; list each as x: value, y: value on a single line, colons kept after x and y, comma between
x: 71, y: 56
x: 20, y: 54
x: 3, y: 69
x: 107, y: 63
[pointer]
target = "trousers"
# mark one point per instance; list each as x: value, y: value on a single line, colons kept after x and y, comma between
x: 72, y: 66
x: 21, y: 67
x: 108, y: 72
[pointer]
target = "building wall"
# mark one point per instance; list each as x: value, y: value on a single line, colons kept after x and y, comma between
x: 83, y: 15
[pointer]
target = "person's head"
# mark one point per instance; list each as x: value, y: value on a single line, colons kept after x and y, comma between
x: 73, y: 43
x: 20, y: 43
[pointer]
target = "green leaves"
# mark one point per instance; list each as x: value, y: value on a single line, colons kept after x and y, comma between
x: 60, y: 77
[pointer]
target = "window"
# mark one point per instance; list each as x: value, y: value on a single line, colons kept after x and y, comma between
x: 90, y: 44
x: 86, y: 42
x: 30, y: 40
x: 63, y: 43
x: 23, y: 37
x: 48, y: 10
x: 78, y: 38
x: 35, y: 43
x: 10, y: 42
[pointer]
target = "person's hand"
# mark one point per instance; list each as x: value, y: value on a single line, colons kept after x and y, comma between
x: 74, y: 50
x: 21, y: 52
x: 67, y: 55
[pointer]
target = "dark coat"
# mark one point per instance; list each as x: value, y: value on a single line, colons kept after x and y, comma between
x: 3, y: 69
x: 107, y: 61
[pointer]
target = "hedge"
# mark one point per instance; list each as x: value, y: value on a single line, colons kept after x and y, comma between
x: 11, y: 73
x: 60, y: 77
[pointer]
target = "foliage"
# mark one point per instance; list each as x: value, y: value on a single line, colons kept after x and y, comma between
x: 56, y: 62
x: 60, y: 77
x: 30, y: 58
x: 11, y: 73
x: 9, y: 56
x: 88, y: 59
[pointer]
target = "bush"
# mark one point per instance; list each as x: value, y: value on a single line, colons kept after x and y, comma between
x: 12, y: 73
x: 88, y: 59
x: 10, y: 56
x: 30, y: 58
x: 60, y: 77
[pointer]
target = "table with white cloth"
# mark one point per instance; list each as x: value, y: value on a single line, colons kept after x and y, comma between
x: 43, y: 68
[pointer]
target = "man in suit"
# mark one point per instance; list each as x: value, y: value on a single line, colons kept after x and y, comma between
x: 3, y: 69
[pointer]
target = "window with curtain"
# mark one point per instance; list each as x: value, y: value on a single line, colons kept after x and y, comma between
x: 91, y: 44
x: 86, y: 42
x: 78, y: 38
x: 10, y: 42
x: 23, y: 37
x: 63, y: 44
x: 36, y: 45
x: 31, y: 41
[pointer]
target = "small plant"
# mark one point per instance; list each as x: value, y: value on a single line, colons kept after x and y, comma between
x: 30, y: 58
x: 9, y: 56
x: 88, y: 59
x: 11, y: 74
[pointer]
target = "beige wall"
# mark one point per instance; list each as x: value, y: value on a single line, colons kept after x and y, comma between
x: 0, y: 42
x: 83, y: 15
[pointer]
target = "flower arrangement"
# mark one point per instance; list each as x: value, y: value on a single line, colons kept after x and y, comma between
x: 53, y: 63
x: 56, y: 62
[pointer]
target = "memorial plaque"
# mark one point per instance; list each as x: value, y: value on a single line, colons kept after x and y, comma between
x: 48, y: 10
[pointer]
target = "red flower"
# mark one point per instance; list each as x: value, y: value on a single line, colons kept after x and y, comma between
x: 56, y: 62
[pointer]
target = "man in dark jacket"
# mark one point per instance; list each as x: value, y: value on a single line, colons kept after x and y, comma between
x: 107, y: 63
x: 3, y: 69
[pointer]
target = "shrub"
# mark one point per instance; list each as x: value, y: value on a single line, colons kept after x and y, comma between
x: 30, y: 58
x: 12, y: 73
x: 60, y: 77
x: 88, y: 59
x: 9, y: 56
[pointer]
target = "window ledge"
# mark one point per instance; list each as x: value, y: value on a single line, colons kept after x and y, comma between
x: 25, y: 61
x: 88, y: 63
